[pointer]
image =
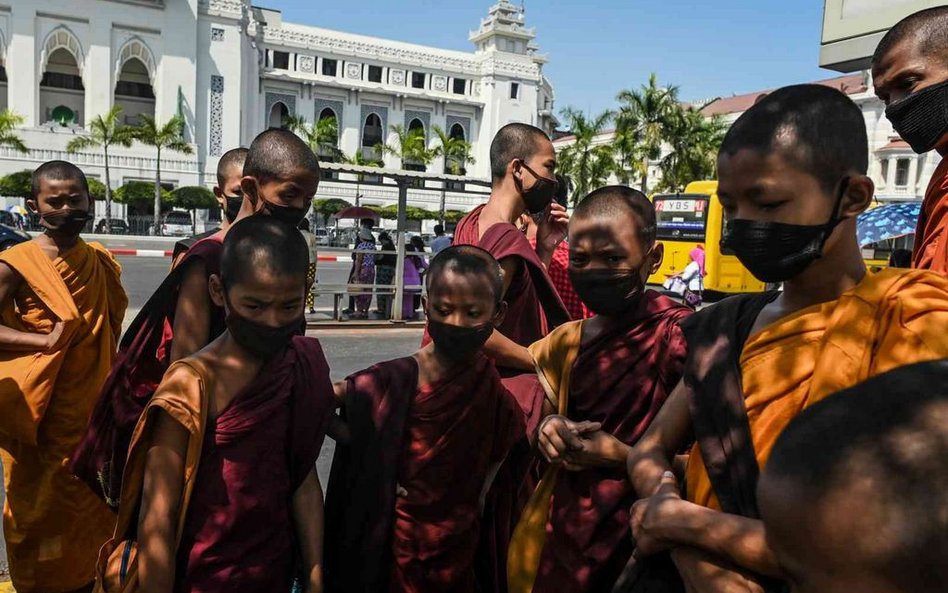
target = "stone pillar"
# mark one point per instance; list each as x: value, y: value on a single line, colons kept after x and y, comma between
x: 98, y: 70
x: 890, y: 174
x: 913, y: 178
x: 22, y: 63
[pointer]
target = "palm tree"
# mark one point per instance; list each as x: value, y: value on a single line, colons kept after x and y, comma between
x: 642, y: 123
x: 105, y: 131
x: 411, y: 148
x: 586, y: 163
x: 9, y: 120
x: 358, y: 158
x: 694, y: 142
x: 168, y: 136
x: 457, y: 152
x: 322, y: 136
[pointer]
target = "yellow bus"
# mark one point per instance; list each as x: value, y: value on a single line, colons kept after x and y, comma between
x: 693, y: 218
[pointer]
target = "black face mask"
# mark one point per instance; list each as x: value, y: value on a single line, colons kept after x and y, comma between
x: 232, y: 207
x: 68, y: 223
x: 921, y: 119
x: 456, y: 342
x: 538, y: 196
x: 608, y: 292
x: 775, y: 251
x: 291, y: 215
x: 262, y: 341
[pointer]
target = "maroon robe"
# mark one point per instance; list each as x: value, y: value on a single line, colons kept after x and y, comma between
x: 533, y: 307
x: 141, y: 362
x: 620, y: 378
x: 438, y: 443
x: 239, y: 534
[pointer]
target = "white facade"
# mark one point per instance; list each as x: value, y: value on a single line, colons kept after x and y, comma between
x: 232, y: 70
x: 899, y: 173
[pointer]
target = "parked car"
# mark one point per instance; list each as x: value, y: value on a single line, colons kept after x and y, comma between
x: 119, y: 226
x: 322, y: 237
x: 10, y: 236
x: 177, y: 223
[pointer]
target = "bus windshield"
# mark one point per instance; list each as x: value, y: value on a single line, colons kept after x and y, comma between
x: 681, y: 217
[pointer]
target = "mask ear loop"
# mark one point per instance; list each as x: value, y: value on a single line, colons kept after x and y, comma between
x: 835, y: 217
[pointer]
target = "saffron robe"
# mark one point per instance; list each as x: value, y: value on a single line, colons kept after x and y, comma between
x: 437, y: 442
x: 141, y: 363
x: 931, y: 234
x: 53, y: 524
x: 891, y: 318
x: 620, y: 378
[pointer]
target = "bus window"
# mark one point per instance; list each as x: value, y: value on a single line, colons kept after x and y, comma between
x: 681, y: 217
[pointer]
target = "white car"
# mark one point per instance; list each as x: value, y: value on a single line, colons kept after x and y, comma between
x: 322, y: 237
x: 177, y: 223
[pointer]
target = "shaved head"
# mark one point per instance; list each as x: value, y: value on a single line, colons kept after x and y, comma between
x: 929, y: 28
x: 614, y: 200
x: 514, y: 141
x: 263, y: 242
x: 817, y: 128
x: 466, y: 260
x: 883, y: 446
x: 59, y: 171
x: 277, y: 154
x: 232, y: 159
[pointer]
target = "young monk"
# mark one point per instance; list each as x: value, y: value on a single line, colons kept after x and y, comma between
x: 792, y: 180
x: 854, y: 494
x: 230, y: 172
x: 612, y: 371
x: 281, y: 175
x: 222, y: 463
x: 910, y: 75
x: 61, y: 310
x: 428, y: 433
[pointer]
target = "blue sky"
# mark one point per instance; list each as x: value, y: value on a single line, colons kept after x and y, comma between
x: 597, y: 47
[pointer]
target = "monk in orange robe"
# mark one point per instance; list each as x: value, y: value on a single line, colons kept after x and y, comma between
x: 427, y: 433
x: 792, y: 180
x: 62, y: 306
x: 612, y: 372
x: 910, y: 75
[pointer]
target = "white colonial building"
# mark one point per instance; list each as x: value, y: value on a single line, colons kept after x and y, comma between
x: 899, y: 173
x: 231, y: 70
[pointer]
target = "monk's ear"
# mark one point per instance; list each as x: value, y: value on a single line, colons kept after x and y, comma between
x: 216, y: 290
x: 424, y: 304
x: 32, y: 205
x: 858, y: 196
x: 656, y: 257
x: 500, y: 314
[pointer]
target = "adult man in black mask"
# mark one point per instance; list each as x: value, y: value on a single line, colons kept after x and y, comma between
x: 230, y: 170
x: 910, y: 75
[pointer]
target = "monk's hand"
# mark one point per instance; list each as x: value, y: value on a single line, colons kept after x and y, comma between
x: 650, y: 517
x: 552, y: 229
x: 599, y: 449
x: 558, y: 435
x: 52, y: 338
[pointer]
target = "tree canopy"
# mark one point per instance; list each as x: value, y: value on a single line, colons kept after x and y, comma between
x: 19, y: 184
x: 141, y: 194
x: 193, y: 197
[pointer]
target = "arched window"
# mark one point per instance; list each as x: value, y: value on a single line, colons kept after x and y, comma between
x: 61, y: 88
x: 133, y: 91
x: 453, y: 164
x: 416, y: 124
x: 328, y: 114
x: 372, y: 136
x: 456, y: 132
x: 278, y: 115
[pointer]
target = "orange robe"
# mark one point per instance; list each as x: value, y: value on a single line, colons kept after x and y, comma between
x: 892, y: 318
x: 931, y: 243
x: 53, y: 524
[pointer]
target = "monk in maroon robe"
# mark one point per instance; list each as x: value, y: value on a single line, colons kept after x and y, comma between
x: 280, y: 177
x: 616, y: 370
x: 246, y: 516
x: 426, y: 434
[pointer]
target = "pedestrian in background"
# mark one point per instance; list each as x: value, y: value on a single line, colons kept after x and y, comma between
x: 385, y: 264
x: 415, y: 267
x: 363, y: 272
x: 311, y: 271
x: 441, y: 241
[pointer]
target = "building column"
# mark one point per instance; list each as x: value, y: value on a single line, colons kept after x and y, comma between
x: 890, y: 174
x: 22, y: 63
x: 97, y: 71
x: 913, y: 178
